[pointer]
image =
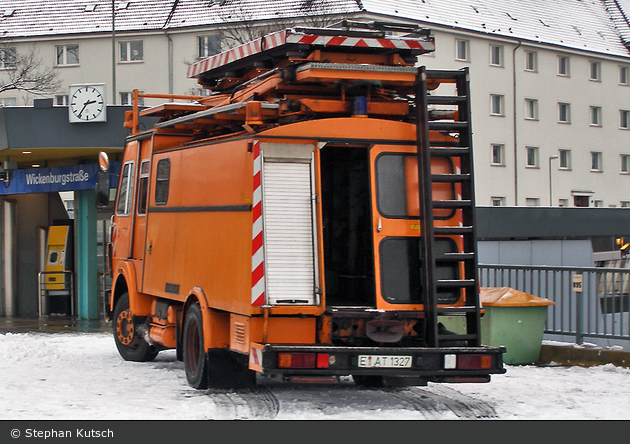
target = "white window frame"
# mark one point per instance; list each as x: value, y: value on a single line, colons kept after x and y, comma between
x: 8, y: 57
x: 595, y: 71
x: 462, y: 50
x: 531, y: 109
x: 497, y: 101
x: 624, y: 75
x: 497, y: 201
x: 624, y: 119
x: 567, y: 112
x: 624, y: 204
x: 61, y: 100
x: 564, y: 159
x: 531, y: 61
x: 597, y: 165
x: 128, y: 51
x: 496, y: 55
x: 564, y: 69
x: 595, y: 116
x: 8, y: 101
x: 624, y: 163
x: 563, y: 202
x: 497, y: 153
x: 61, y: 58
x: 532, y: 201
x: 126, y: 98
x: 205, y: 45
x: 532, y: 157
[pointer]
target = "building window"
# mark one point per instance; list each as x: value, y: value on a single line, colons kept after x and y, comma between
x: 531, y: 109
x: 532, y: 157
x: 563, y: 66
x: 563, y: 202
x: 624, y: 74
x: 8, y: 101
x: 596, y: 161
x: 564, y: 112
x: 131, y: 51
x: 598, y: 203
x: 498, y: 151
x: 496, y: 105
x: 564, y: 159
x: 496, y: 55
x: 61, y: 100
x: 208, y: 45
x: 67, y: 55
x: 126, y: 98
x: 596, y: 115
x: 624, y: 119
x: 625, y: 204
x: 8, y: 57
x: 595, y: 71
x: 498, y: 201
x: 531, y: 61
x: 625, y: 164
x: 532, y: 201
x: 461, y: 49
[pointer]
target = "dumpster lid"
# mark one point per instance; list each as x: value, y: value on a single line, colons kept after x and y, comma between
x: 510, y: 297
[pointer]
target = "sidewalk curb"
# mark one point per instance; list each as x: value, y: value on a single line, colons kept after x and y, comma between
x: 584, y: 357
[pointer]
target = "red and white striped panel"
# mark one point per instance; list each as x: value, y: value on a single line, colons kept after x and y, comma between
x: 393, y: 43
x: 258, y: 256
x: 287, y: 36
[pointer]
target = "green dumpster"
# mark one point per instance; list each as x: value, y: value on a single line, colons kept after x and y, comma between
x: 515, y: 320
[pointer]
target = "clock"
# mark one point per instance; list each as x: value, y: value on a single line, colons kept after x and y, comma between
x: 86, y: 103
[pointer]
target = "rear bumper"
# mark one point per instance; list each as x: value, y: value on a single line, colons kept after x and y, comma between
x: 443, y: 364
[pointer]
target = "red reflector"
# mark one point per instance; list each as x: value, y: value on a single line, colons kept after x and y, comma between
x: 469, y: 362
x: 322, y: 360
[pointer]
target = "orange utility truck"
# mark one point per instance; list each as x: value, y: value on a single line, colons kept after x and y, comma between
x: 311, y: 217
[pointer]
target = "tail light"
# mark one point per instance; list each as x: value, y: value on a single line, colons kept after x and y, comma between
x: 471, y: 362
x: 303, y: 360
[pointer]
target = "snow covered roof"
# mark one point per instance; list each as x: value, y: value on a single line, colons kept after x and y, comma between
x: 600, y: 26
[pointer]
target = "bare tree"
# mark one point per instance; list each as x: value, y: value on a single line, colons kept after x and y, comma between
x: 26, y: 72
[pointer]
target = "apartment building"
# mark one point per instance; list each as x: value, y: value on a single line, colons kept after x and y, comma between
x: 550, y: 79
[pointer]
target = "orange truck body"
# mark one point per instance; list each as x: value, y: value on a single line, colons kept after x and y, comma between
x: 276, y: 226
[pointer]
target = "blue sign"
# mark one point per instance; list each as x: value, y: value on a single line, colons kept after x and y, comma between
x: 55, y: 179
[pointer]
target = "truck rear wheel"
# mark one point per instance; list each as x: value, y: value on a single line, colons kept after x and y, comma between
x: 130, y: 344
x: 194, y: 354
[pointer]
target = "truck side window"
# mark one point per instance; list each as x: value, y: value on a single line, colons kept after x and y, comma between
x: 123, y: 206
x: 143, y: 187
x: 162, y: 181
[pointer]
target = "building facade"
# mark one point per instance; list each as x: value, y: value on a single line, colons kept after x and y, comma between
x: 550, y: 80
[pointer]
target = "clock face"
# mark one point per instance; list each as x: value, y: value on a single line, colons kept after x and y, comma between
x: 87, y: 104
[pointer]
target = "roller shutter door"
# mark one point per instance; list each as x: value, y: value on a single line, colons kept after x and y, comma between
x: 288, y: 231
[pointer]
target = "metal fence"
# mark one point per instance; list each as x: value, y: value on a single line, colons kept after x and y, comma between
x: 591, y: 303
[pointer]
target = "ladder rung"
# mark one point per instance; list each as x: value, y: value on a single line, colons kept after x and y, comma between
x: 456, y: 311
x: 449, y: 152
x: 452, y: 230
x: 455, y: 257
x: 447, y: 126
x: 446, y: 100
x: 452, y: 203
x: 455, y: 283
x: 450, y: 177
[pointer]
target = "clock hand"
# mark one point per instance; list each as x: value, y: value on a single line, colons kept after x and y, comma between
x: 88, y: 102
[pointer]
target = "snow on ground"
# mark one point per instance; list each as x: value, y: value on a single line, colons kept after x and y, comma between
x: 80, y: 376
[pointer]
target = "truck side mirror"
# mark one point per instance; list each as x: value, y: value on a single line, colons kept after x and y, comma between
x: 102, y: 181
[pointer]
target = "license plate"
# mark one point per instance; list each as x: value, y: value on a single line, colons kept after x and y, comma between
x: 387, y: 361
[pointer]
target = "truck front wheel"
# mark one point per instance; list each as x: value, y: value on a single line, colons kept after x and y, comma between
x: 129, y: 342
x: 195, y: 358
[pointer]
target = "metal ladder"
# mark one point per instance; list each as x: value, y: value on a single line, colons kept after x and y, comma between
x: 460, y: 148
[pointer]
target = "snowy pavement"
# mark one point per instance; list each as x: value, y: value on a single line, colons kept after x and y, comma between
x: 80, y: 376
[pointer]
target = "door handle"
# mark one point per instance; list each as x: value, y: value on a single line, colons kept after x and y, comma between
x: 379, y: 227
